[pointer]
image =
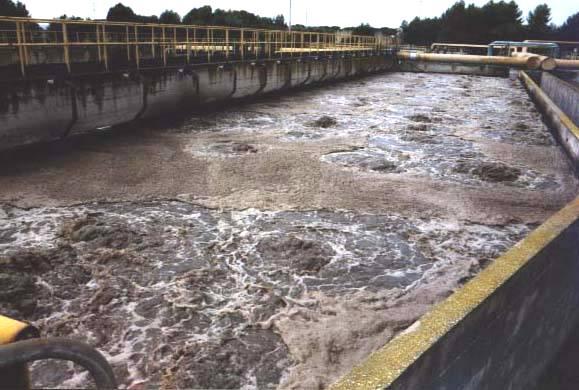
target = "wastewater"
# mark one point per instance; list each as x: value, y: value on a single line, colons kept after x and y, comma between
x: 233, y: 286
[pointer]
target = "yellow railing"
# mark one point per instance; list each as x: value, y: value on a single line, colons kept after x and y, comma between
x: 26, y: 42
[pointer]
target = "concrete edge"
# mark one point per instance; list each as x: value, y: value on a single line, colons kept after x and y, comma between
x: 538, y: 93
x: 566, y: 130
x: 386, y: 365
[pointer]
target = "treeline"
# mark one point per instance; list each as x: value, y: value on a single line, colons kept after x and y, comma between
x: 493, y: 21
x: 363, y: 29
x: 461, y: 23
x: 203, y: 16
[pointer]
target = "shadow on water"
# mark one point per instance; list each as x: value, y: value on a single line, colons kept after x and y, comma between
x: 27, y: 158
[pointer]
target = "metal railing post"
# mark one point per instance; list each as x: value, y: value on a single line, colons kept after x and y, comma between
x: 99, y: 48
x: 66, y: 47
x: 175, y: 41
x: 128, y: 39
x: 188, y: 45
x: 153, y: 43
x: 164, y: 45
x: 105, y: 50
x: 227, y: 43
x: 20, y: 50
x: 24, y: 45
x: 242, y: 44
x: 195, y: 41
x: 137, y: 48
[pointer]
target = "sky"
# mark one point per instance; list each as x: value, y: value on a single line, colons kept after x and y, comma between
x: 381, y: 13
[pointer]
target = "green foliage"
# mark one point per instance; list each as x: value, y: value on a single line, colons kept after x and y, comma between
x: 122, y: 13
x: 320, y: 29
x: 10, y: 8
x: 493, y: 21
x: 472, y: 24
x: 201, y: 16
x: 569, y: 31
x: 169, y: 17
x: 540, y: 18
x: 207, y: 16
x: 538, y: 22
x: 363, y: 29
x: 422, y: 31
x: 366, y: 29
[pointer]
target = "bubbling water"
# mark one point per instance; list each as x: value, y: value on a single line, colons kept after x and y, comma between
x: 173, y: 293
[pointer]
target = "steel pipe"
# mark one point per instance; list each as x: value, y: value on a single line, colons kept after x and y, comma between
x: 547, y: 63
x: 521, y: 62
x: 567, y: 64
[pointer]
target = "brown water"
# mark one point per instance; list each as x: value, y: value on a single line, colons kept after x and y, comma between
x: 262, y: 247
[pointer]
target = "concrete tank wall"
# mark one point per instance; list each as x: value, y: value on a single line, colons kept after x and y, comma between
x: 105, y: 102
x: 563, y: 127
x: 35, y: 110
x: 50, y: 109
x: 564, y: 94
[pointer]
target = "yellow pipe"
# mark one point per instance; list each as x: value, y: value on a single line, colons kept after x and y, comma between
x: 547, y: 63
x: 12, y: 330
x: 567, y: 64
x: 15, y: 376
x: 523, y: 62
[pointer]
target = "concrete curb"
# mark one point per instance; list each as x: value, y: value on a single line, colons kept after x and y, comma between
x: 567, y: 132
x: 442, y: 349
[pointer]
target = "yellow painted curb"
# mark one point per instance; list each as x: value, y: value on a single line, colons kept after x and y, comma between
x: 383, y: 367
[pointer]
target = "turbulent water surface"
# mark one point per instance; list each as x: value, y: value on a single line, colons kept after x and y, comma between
x: 310, y: 237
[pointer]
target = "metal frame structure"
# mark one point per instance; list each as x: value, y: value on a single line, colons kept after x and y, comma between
x: 552, y: 49
x: 569, y: 49
x: 458, y: 48
x: 25, y: 43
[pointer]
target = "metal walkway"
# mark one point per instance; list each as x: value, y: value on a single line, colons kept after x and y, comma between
x: 88, y: 46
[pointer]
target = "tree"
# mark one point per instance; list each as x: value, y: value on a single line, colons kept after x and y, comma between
x: 122, y: 13
x: 207, y: 16
x: 538, y: 21
x: 364, y: 29
x: 502, y: 21
x: 569, y: 31
x: 10, y: 8
x: 279, y: 21
x: 170, y: 17
x: 455, y: 26
x: 16, y: 9
x: 200, y: 16
x: 422, y: 31
x: 468, y: 24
